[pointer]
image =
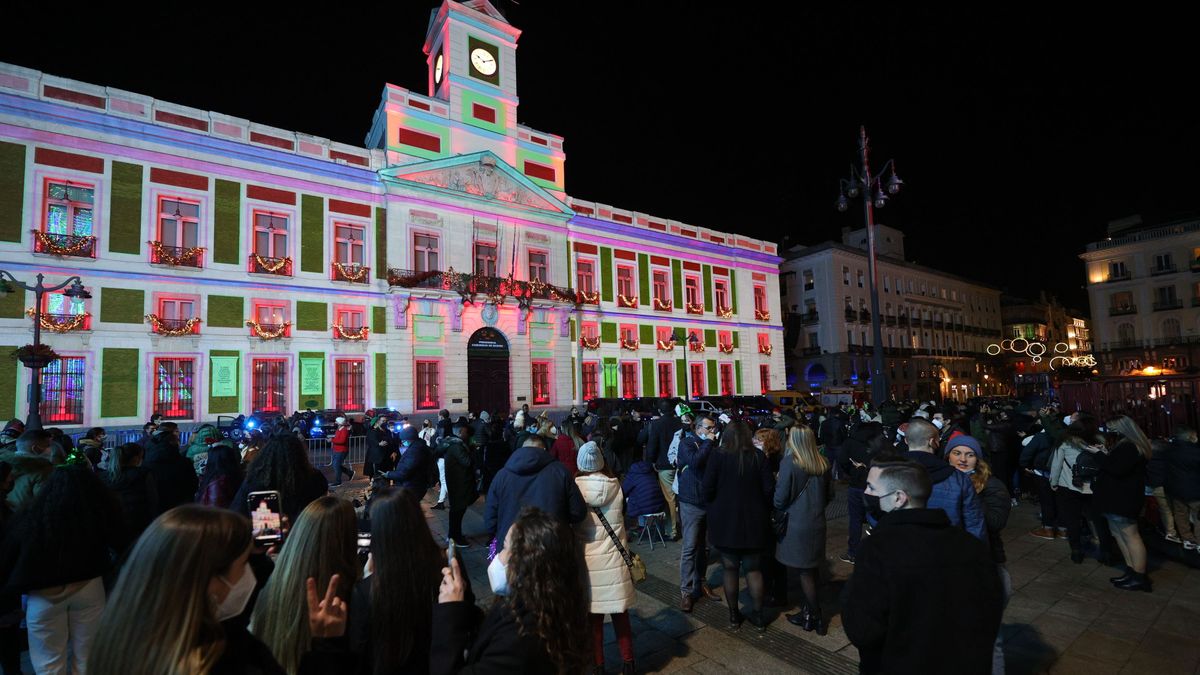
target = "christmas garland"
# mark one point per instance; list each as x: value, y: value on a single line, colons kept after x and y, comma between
x: 584, y: 297
x: 764, y: 349
x: 271, y: 268
x: 269, y: 334
x: 49, y: 245
x: 593, y: 343
x: 664, y: 306
x: 359, y: 274
x: 623, y: 301
x: 161, y: 255
x: 762, y: 315
x: 725, y: 348
x: 47, y: 322
x: 360, y: 334
x: 697, y: 346
x: 631, y: 345
x: 410, y: 280
x: 666, y: 345
x: 159, y: 327
x: 724, y: 312
x: 694, y: 309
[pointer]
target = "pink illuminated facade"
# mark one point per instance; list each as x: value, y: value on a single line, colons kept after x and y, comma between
x: 235, y: 267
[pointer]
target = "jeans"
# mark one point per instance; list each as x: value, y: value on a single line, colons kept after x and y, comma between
x: 1046, y: 498
x: 665, y: 478
x: 693, y: 556
x: 62, y: 621
x: 856, y: 513
x: 442, y: 479
x: 339, y: 467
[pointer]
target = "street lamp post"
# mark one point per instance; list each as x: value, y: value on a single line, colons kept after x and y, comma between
x: 687, y: 342
x: 76, y: 290
x: 873, y: 197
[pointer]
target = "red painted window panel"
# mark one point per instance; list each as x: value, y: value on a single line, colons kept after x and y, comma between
x: 662, y: 227
x: 420, y: 140
x: 350, y: 208
x: 579, y: 208
x: 721, y: 271
x: 624, y: 255
x: 759, y: 277
x: 580, y: 247
x: 695, y: 267
x: 68, y: 160
x: 539, y: 141
x: 688, y: 233
x: 272, y: 141
x: 73, y: 96
x: 540, y: 171
x: 180, y: 120
x: 179, y: 179
x: 622, y: 219
x: 418, y: 104
x: 660, y: 260
x: 486, y: 114
x: 346, y: 157
x: 267, y: 194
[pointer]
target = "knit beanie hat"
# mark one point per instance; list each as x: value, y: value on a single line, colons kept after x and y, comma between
x: 589, y: 457
x: 485, y: 417
x: 967, y: 441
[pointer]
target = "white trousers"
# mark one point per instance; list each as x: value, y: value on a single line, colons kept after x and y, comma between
x: 442, y: 479
x: 61, y: 625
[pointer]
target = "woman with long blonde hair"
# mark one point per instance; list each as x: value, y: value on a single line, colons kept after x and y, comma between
x: 321, y: 544
x: 1119, y: 493
x: 188, y: 574
x: 802, y: 492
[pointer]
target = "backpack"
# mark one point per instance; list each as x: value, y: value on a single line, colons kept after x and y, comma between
x: 1085, y: 469
x: 673, y: 449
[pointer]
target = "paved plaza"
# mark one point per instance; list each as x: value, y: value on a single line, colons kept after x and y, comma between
x: 1063, y: 618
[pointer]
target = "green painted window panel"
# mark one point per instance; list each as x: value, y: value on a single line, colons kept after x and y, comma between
x: 708, y: 290
x: 380, y: 380
x: 572, y: 324
x: 606, y: 273
x: 735, y: 342
x: 646, y: 336
x: 681, y: 377
x: 224, y: 404
x: 710, y: 338
x: 379, y: 320
x: 8, y: 383
x: 310, y: 400
x: 713, y: 384
x: 227, y: 222
x: 574, y: 377
x: 312, y: 234
x: 12, y: 305
x: 608, y: 332
x: 311, y: 315
x: 611, y: 375
x: 122, y: 305
x: 644, y: 277
x: 677, y: 281
x: 648, y: 378
x: 125, y: 210
x: 119, y: 382
x: 733, y: 290
x: 737, y: 375
x: 380, y: 243
x: 12, y: 190
x: 225, y: 311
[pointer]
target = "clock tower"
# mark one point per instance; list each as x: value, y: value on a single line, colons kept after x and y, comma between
x: 470, y: 45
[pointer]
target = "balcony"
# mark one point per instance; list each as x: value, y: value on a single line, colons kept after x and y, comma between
x: 350, y: 334
x: 724, y: 312
x: 468, y: 285
x: 176, y: 256
x: 697, y: 309
x: 864, y: 316
x: 889, y: 320
x: 810, y: 317
x: 270, y: 331
x: 627, y: 301
x: 851, y: 315
x: 663, y: 305
x: 1122, y: 310
x: 352, y: 273
x: 280, y: 267
x: 1195, y: 265
x: 1168, y: 269
x: 903, y: 321
x: 64, y: 244
x: 1171, y: 303
x: 173, y: 327
x: 1120, y: 276
x: 762, y: 314
x: 63, y: 323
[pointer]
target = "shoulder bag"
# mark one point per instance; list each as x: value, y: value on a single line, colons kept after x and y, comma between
x: 779, y: 517
x: 637, y: 568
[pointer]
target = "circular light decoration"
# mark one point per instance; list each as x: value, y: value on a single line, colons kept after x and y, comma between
x: 1022, y: 349
x: 1036, y: 359
x: 993, y: 346
x: 1006, y: 347
x: 1036, y: 349
x: 1061, y: 348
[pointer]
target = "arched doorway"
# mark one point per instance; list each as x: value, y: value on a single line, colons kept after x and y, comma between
x: 487, y: 372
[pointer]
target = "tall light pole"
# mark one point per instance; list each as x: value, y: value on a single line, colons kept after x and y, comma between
x: 872, y: 190
x: 76, y: 290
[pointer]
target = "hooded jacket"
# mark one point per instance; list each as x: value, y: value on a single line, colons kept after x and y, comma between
x: 953, y: 493
x: 531, y: 477
x: 658, y: 441
x: 693, y: 457
x: 643, y: 490
x: 611, y: 585
x: 29, y: 471
x: 412, y: 468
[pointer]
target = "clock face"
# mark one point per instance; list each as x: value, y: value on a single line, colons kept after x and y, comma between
x: 483, y: 62
x: 438, y: 69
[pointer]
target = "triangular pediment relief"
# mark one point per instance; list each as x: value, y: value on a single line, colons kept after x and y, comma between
x: 482, y: 176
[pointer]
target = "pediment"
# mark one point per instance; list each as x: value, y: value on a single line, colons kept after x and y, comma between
x: 481, y: 176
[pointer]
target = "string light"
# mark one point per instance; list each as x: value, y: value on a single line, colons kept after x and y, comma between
x: 161, y: 328
x: 48, y: 322
x: 355, y: 335
x: 161, y: 255
x: 267, y: 334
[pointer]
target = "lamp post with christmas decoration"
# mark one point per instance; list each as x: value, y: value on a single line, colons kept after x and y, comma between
x: 38, y: 356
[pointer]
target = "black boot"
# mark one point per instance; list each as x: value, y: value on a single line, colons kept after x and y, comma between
x: 735, y: 617
x: 813, y: 622
x: 758, y: 621
x: 1137, y: 582
x: 1124, y: 577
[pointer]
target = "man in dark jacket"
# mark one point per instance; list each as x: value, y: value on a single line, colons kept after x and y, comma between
x: 693, y: 558
x: 1183, y: 482
x: 174, y: 476
x: 412, y: 468
x: 953, y: 491
x: 380, y: 446
x: 1037, y: 447
x: 900, y: 586
x: 460, y: 479
x: 530, y: 477
x: 659, y: 435
x: 853, y: 458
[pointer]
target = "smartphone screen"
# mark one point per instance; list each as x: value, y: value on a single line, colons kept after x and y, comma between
x: 451, y: 551
x: 364, y: 540
x: 266, y: 519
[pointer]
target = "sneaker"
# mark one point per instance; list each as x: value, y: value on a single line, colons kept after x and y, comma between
x: 847, y: 558
x: 1190, y: 545
x: 1173, y: 538
x: 1044, y: 533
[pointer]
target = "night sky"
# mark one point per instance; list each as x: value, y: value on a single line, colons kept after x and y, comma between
x: 1019, y: 134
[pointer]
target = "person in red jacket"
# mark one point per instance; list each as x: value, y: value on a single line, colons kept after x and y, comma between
x: 341, y: 448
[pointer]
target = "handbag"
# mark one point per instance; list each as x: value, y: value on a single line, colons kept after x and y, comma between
x: 637, y: 568
x: 779, y: 517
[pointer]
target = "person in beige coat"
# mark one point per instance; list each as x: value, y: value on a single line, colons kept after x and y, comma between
x: 608, y: 575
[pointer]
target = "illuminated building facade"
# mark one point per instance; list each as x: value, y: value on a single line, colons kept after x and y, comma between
x: 235, y: 266
x: 1063, y: 332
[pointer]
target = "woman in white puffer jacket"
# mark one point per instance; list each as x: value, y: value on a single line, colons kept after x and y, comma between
x: 608, y: 575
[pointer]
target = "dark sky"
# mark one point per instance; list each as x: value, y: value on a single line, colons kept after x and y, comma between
x: 1019, y: 133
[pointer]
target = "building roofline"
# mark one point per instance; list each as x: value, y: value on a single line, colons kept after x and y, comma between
x: 833, y: 245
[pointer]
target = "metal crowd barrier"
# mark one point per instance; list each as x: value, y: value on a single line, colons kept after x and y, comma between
x: 320, y: 451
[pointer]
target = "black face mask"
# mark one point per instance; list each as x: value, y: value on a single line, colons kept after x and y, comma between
x: 871, y: 502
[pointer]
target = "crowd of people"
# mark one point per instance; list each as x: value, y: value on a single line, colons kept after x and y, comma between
x: 141, y: 558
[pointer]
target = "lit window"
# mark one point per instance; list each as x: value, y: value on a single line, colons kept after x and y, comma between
x: 726, y: 377
x: 625, y: 281
x: 665, y: 386
x: 178, y: 223
x: 271, y: 317
x: 485, y: 259
x: 629, y: 388
x: 809, y: 281
x: 174, y: 388
x: 427, y: 393
x: 697, y: 378
x: 268, y: 385
x: 590, y: 380
x: 845, y: 275
x: 174, y: 313
x: 691, y: 286
x: 349, y: 385
x: 661, y: 289
x: 537, y: 266
x: 425, y: 253
x: 270, y: 235
x: 760, y: 299
x: 348, y: 247
x: 585, y: 272
x: 69, y: 218
x: 722, y: 293
x: 62, y: 391
x: 541, y: 382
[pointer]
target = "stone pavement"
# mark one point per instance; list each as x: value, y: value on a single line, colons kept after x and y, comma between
x: 1063, y: 618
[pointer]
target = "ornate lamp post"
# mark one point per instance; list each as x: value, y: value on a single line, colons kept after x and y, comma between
x: 687, y: 343
x: 76, y: 290
x: 872, y: 189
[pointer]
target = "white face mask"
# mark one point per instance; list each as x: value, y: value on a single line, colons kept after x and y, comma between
x: 938, y: 423
x: 1067, y: 421
x: 553, y: 431
x: 498, y: 576
x: 239, y: 595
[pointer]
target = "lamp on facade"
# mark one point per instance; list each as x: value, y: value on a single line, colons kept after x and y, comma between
x: 872, y: 189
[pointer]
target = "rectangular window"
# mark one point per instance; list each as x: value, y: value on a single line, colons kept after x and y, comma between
x: 726, y: 378
x: 541, y: 382
x: 814, y: 341
x: 722, y: 293
x: 268, y: 385
x: 178, y: 223
x: 62, y: 391
x: 629, y: 333
x: 591, y: 380
x: 537, y: 265
x: 350, y: 385
x: 691, y: 287
x: 348, y: 244
x: 663, y: 334
x: 666, y: 388
x: 764, y: 377
x: 860, y: 278
x: 350, y: 317
x: 760, y: 299
x: 69, y: 209
x: 425, y: 253
x: 629, y: 380
x: 697, y: 379
x: 485, y: 259
x: 845, y: 275
x: 174, y: 388
x: 764, y: 341
x: 725, y: 340
x: 625, y: 281
x: 590, y: 330
x: 887, y: 284
x: 270, y: 235
x: 174, y: 313
x: 428, y: 385
x: 57, y: 307
x: 809, y: 282
x: 585, y: 273
x: 662, y: 291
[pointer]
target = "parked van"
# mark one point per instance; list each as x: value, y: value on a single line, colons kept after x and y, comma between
x: 786, y: 398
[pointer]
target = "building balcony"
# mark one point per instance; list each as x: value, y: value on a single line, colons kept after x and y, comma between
x: 627, y: 301
x: 63, y: 323
x: 471, y: 284
x: 808, y: 318
x: 663, y: 305
x: 762, y: 314
x: 724, y: 312
x: 864, y: 316
x: 851, y: 315
x: 350, y: 334
x: 1123, y: 276
x: 809, y: 351
x: 176, y: 256
x: 938, y: 325
x: 903, y: 321
x: 67, y: 245
x: 889, y: 320
x: 694, y: 309
x: 1162, y: 305
x: 173, y: 327
x: 350, y: 273
x: 587, y: 297
x: 1169, y: 269
x: 1195, y: 265
x: 280, y: 267
x: 1122, y: 310
x: 270, y: 331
